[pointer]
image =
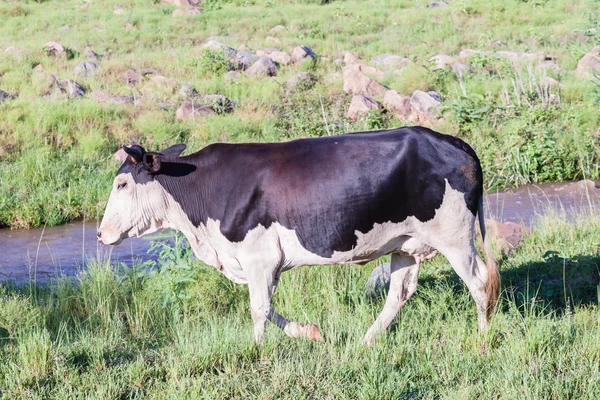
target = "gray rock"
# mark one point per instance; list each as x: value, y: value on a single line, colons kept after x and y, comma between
x: 437, y: 4
x: 188, y: 92
x: 360, y: 107
x: 90, y: 54
x: 301, y: 81
x: 213, y: 45
x: 72, y: 88
x: 264, y: 66
x: 379, y: 281
x: 4, y: 96
x: 280, y: 57
x: 232, y: 76
x: 302, y: 53
x: 104, y: 97
x: 191, y: 111
x: 272, y: 40
x: 441, y: 61
x: 424, y: 105
x: 460, y: 69
x: 435, y: 95
x: 390, y: 62
x: 131, y: 77
x: 244, y: 60
x: 278, y: 28
x: 218, y: 103
x: 54, y: 49
x: 86, y: 68
x: 122, y: 99
x: 549, y: 65
x: 13, y: 50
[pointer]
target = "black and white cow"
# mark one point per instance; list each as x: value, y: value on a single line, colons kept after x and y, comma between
x: 255, y: 210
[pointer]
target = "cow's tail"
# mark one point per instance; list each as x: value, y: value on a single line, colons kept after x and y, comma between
x: 492, y: 285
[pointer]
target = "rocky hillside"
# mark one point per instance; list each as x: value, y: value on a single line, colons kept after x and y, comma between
x: 518, y: 80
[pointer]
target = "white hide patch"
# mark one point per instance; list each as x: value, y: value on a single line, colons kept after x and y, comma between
x: 279, y: 247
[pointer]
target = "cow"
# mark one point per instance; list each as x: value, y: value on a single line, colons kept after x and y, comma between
x: 255, y: 210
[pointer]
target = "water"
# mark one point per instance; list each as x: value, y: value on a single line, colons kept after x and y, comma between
x: 41, y: 254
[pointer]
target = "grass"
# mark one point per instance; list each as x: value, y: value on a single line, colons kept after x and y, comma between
x: 55, y: 153
x: 184, y: 331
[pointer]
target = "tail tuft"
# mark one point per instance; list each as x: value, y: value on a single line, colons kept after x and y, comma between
x: 492, y: 285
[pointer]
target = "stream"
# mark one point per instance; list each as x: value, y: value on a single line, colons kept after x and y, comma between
x: 43, y: 253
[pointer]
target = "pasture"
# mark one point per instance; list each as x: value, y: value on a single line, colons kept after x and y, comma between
x: 176, y: 328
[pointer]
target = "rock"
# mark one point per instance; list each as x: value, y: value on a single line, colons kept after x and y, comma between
x: 517, y: 57
x: 232, y: 76
x: 186, y: 11
x: 181, y: 3
x: 460, y: 69
x: 390, y: 62
x: 244, y: 60
x: 215, y: 46
x: 46, y: 84
x: 466, y: 53
x: 4, y: 96
x: 585, y: 186
x: 435, y: 95
x: 360, y: 107
x: 148, y: 71
x: 302, y: 53
x: 86, y: 68
x: 90, y: 54
x: 119, y: 9
x: 266, y: 52
x: 498, y: 43
x: 72, y: 88
x: 350, y: 57
x: 550, y: 82
x: 263, y: 66
x: 120, y: 156
x: 590, y: 62
x: 38, y: 68
x: 13, y: 50
x: 441, y: 61
x: 190, y: 111
x: 549, y: 65
x: 54, y: 49
x: 379, y: 281
x: 424, y: 105
x: 437, y: 4
x: 272, y: 40
x: 277, y: 28
x: 398, y: 103
x: 355, y: 82
x: 280, y: 57
x: 131, y: 77
x: 104, y: 97
x: 219, y: 103
x: 505, y: 236
x: 188, y: 92
x: 301, y: 81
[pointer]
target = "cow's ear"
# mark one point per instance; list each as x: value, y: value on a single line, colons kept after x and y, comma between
x: 136, y: 153
x: 174, y: 151
x: 152, y: 162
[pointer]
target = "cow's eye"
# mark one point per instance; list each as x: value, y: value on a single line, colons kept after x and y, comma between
x: 121, y: 185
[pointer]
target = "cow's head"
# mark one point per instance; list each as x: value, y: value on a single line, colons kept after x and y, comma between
x: 137, y: 204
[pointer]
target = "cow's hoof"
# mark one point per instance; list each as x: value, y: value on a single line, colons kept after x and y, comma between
x: 313, y: 333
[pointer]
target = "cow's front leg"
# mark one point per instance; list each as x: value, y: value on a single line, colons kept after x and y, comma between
x: 262, y: 285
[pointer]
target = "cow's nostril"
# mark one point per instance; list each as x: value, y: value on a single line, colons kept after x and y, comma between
x: 99, y: 234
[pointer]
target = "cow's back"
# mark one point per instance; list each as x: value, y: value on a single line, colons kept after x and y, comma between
x: 326, y: 189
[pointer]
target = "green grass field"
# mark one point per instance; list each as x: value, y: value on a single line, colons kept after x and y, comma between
x: 184, y: 331
x: 55, y: 153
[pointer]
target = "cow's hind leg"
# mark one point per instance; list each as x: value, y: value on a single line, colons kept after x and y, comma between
x: 403, y: 284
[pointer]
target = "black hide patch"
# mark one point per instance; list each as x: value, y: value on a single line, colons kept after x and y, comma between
x: 325, y: 188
